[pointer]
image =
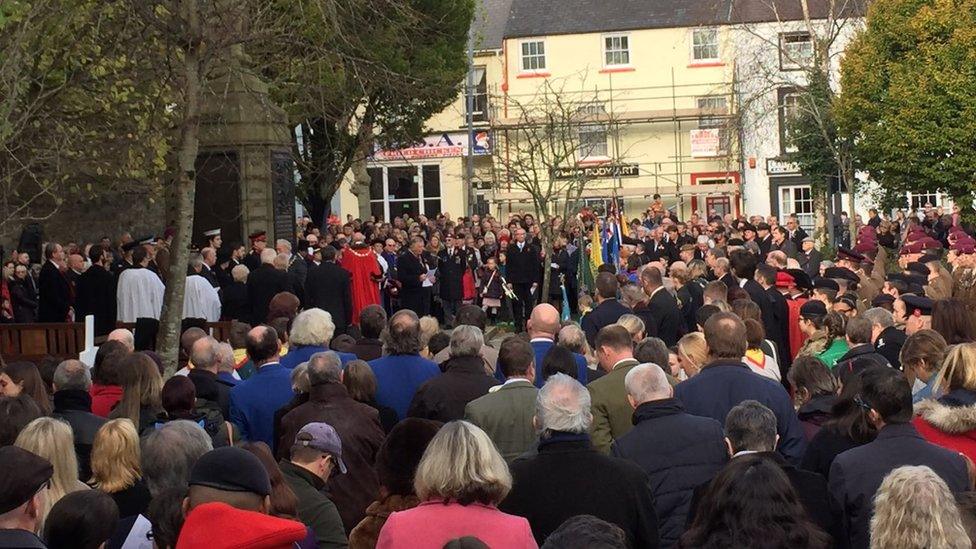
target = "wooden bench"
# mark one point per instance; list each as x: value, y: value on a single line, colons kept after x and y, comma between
x: 34, y: 342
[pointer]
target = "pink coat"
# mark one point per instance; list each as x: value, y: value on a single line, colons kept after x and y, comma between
x: 432, y: 524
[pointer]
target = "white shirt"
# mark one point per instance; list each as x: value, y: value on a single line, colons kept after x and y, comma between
x: 140, y: 295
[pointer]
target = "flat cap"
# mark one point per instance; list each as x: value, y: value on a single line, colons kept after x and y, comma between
x: 231, y: 469
x: 22, y: 474
x: 813, y: 308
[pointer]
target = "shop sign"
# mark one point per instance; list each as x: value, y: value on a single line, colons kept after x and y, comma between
x: 779, y: 166
x: 602, y: 171
x: 706, y: 142
x: 445, y: 145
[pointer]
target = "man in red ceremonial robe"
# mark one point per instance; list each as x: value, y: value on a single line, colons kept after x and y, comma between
x: 365, y: 271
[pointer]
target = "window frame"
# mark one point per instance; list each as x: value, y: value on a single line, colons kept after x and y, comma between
x: 786, y: 63
x: 592, y: 128
x: 781, y: 96
x: 479, y: 91
x: 624, y: 37
x: 421, y: 199
x: 693, y: 45
x: 793, y: 201
x: 523, y: 56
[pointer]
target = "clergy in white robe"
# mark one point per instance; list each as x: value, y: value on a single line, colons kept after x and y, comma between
x: 201, y: 300
x: 140, y: 294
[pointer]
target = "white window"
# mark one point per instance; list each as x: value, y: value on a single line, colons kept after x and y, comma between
x: 616, y: 50
x: 789, y: 109
x: 398, y: 190
x: 592, y: 135
x: 797, y: 199
x: 480, y: 95
x: 704, y: 45
x: 716, y: 103
x: 922, y: 201
x: 795, y: 50
x: 533, y: 55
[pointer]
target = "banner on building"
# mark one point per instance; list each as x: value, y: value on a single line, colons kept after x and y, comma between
x: 705, y: 142
x: 445, y: 145
x: 781, y: 166
x: 603, y: 171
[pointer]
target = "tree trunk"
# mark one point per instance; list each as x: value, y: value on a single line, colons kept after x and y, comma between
x: 546, y: 260
x: 187, y: 147
x: 360, y: 186
x: 850, y: 181
x: 821, y: 231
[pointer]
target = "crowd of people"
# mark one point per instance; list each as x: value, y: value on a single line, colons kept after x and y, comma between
x: 719, y: 383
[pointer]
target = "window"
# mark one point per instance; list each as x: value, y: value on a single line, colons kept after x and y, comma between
x: 480, y: 92
x: 921, y: 201
x: 718, y: 205
x: 797, y: 199
x: 592, y: 137
x: 788, y: 100
x: 398, y: 190
x: 616, y: 50
x: 704, y: 45
x: 795, y: 50
x: 533, y: 55
x: 716, y: 103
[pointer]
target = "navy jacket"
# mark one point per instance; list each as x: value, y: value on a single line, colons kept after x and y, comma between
x: 254, y: 401
x: 666, y: 311
x: 678, y: 451
x: 541, y: 348
x: 604, y: 314
x: 398, y: 377
x: 856, y: 475
x: 723, y: 384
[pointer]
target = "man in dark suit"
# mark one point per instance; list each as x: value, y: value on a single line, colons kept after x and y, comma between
x: 856, y: 474
x: 743, y: 265
x: 263, y: 284
x: 412, y: 272
x: 766, y: 276
x: 782, y: 242
x: 453, y: 261
x: 259, y: 242
x: 608, y: 309
x: 327, y: 287
x: 209, y: 256
x: 663, y: 307
x: 522, y: 270
x: 96, y: 292
x: 796, y: 232
x: 809, y: 257
x: 764, y: 239
x: 55, y: 294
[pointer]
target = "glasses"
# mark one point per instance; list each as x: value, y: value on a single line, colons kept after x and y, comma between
x: 861, y: 404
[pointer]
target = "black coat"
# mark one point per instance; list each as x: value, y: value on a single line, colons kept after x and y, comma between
x: 234, y: 303
x: 327, y: 287
x: 412, y: 293
x: 55, y: 295
x: 522, y: 267
x: 759, y: 296
x: 691, y: 297
x: 858, y: 358
x: 781, y: 324
x: 569, y: 477
x: 679, y: 452
x: 889, y: 344
x: 824, y: 447
x: 24, y: 301
x: 810, y: 262
x: 797, y: 237
x: 444, y: 397
x: 561, y: 259
x: 262, y: 285
x: 208, y: 388
x: 451, y: 272
x: 95, y: 294
x: 209, y: 274
x: 856, y: 474
x: 642, y: 312
x: 670, y: 323
x: 74, y: 407
x: 604, y: 314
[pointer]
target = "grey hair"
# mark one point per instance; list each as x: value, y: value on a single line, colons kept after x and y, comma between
x: 226, y: 351
x: 573, y: 338
x: 324, y: 368
x: 632, y: 323
x: 268, y: 256
x: 72, y: 375
x: 205, y: 356
x: 169, y: 453
x: 647, y: 382
x: 879, y: 316
x: 563, y: 404
x: 402, y: 336
x: 240, y: 272
x: 751, y: 426
x: 312, y: 327
x: 196, y: 261
x: 466, y: 341
x: 283, y: 242
x: 299, y: 379
x: 914, y: 507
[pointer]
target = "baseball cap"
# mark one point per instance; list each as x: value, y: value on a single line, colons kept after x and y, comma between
x: 324, y: 438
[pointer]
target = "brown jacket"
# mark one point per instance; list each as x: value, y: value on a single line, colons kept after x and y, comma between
x: 358, y: 426
x: 365, y: 534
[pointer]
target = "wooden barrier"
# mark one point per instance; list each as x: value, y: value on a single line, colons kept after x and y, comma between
x: 219, y: 330
x: 33, y: 342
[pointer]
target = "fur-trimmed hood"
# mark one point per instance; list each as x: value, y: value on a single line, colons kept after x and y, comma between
x: 958, y: 420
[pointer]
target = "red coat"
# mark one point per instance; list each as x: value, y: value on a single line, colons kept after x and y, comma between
x: 104, y: 398
x: 953, y: 428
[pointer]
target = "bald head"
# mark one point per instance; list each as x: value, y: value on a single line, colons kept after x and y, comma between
x: 544, y: 321
x: 72, y: 375
x: 189, y: 337
x: 124, y: 337
x: 646, y: 383
x: 204, y: 354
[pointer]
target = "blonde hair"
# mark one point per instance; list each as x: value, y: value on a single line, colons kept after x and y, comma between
x: 914, y: 508
x: 312, y: 327
x: 428, y: 327
x: 53, y: 440
x: 115, y: 456
x: 959, y: 368
x: 693, y: 346
x: 632, y: 323
x: 461, y: 464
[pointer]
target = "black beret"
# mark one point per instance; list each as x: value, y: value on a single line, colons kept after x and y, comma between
x: 231, y: 469
x: 822, y: 283
x: 129, y: 246
x: 917, y: 305
x: 813, y: 308
x: 927, y: 258
x: 801, y: 278
x: 849, y: 255
x: 841, y: 272
x: 22, y: 474
x: 918, y: 268
x: 882, y: 299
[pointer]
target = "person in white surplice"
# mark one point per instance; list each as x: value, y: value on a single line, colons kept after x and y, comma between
x: 200, y: 300
x: 140, y: 293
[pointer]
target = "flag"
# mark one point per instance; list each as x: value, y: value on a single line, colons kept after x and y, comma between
x: 611, y: 236
x: 596, y: 251
x: 565, y: 311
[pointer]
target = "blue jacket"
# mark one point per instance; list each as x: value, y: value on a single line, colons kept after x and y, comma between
x: 254, y: 401
x: 604, y: 314
x: 398, y: 377
x: 297, y: 355
x: 723, y: 384
x: 541, y: 348
x: 856, y: 474
x: 679, y: 452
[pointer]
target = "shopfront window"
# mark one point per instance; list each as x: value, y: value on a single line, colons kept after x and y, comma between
x: 398, y: 190
x: 797, y: 199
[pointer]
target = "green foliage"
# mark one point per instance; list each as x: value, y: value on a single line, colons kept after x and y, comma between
x: 813, y: 131
x: 909, y: 96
